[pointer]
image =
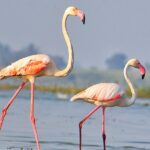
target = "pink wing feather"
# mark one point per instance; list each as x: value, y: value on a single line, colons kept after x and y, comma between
x: 30, y: 65
x: 102, y: 92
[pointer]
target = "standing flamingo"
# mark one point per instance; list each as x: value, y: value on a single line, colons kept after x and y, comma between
x: 30, y: 67
x: 108, y: 95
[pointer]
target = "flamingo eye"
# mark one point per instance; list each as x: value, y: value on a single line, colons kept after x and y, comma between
x: 75, y: 10
x: 138, y: 63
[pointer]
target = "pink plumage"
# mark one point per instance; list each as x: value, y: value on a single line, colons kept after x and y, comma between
x: 35, y: 65
x: 105, y: 94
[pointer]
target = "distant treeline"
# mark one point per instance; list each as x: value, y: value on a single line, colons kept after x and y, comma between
x: 8, y: 55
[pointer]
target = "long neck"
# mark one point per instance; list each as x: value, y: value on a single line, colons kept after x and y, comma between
x: 68, y: 68
x: 132, y: 99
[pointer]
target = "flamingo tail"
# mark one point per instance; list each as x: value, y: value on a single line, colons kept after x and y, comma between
x: 77, y: 96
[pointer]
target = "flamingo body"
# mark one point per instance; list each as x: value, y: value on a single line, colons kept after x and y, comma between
x: 104, y: 94
x: 34, y: 65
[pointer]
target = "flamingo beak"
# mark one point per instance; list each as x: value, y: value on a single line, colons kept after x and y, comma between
x: 81, y: 16
x: 143, y: 76
x: 142, y: 71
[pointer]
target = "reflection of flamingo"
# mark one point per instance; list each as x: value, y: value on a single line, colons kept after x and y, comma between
x: 108, y: 95
x: 39, y: 65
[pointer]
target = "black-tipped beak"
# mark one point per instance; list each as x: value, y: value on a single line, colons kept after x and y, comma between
x: 142, y: 70
x: 81, y: 16
x: 83, y: 20
x: 143, y: 76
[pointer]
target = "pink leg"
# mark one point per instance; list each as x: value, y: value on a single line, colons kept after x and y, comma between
x: 4, y: 111
x: 103, y: 128
x: 81, y: 123
x: 32, y: 118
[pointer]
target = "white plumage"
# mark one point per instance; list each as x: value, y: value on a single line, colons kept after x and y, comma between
x: 100, y: 94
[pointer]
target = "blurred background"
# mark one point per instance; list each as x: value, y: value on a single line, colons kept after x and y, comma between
x: 115, y: 31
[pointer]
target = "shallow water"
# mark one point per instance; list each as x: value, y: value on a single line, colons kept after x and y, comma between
x: 57, y: 122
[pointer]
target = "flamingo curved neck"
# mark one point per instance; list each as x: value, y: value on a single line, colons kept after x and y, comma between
x: 132, y: 99
x: 68, y: 68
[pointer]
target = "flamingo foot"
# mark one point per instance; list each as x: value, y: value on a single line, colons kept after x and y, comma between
x: 104, y: 140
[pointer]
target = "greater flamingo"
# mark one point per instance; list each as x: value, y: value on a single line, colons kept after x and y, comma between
x: 108, y: 95
x: 30, y: 67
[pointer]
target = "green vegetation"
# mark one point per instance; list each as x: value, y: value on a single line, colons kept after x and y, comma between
x: 81, y: 79
x: 53, y: 89
x: 142, y: 91
x: 57, y: 89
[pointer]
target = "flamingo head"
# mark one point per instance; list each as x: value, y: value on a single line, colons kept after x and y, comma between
x: 73, y: 11
x: 136, y: 64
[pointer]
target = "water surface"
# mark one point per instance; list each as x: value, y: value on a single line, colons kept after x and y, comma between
x: 57, y: 122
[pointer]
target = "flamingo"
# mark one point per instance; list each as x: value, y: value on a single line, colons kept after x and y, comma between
x: 30, y: 67
x: 108, y: 95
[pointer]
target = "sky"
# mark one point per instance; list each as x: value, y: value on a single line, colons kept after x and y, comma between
x: 112, y: 26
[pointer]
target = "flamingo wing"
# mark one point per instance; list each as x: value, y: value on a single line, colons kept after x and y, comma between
x: 30, y: 65
x: 103, y: 92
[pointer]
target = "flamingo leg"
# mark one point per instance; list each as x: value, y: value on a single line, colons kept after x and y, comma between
x: 103, y: 128
x: 32, y: 117
x: 4, y: 111
x: 81, y: 123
